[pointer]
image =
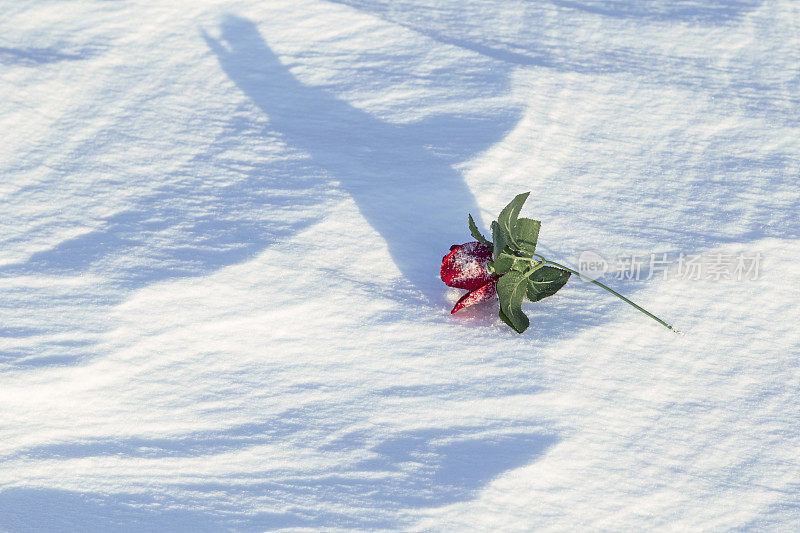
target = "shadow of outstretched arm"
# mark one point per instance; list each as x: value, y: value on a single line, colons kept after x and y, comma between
x: 412, y: 197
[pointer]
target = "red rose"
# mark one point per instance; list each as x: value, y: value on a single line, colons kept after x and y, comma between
x: 465, y: 268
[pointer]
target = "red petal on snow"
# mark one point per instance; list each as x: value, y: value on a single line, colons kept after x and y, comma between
x: 465, y: 266
x: 484, y: 294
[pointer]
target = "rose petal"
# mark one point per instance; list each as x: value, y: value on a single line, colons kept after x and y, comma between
x: 465, y: 266
x: 484, y: 294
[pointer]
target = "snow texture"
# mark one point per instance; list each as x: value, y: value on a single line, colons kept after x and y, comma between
x: 221, y: 225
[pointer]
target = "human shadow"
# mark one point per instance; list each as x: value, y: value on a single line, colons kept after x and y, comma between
x: 191, y: 223
x: 404, y: 190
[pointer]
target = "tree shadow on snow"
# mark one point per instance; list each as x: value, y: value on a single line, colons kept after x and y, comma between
x: 393, y: 476
x: 708, y: 12
x: 544, y: 54
x: 32, y: 56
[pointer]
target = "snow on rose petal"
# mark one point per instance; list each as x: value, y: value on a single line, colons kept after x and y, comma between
x: 465, y: 266
x: 483, y: 294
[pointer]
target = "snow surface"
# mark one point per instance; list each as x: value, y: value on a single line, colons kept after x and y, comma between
x: 220, y: 231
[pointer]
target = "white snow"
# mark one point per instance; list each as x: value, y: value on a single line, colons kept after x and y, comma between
x: 221, y: 225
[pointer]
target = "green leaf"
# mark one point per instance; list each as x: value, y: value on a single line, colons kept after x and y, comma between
x: 506, y: 262
x: 505, y: 319
x: 527, y: 234
x: 503, y: 264
x: 499, y: 241
x: 511, y: 290
x: 473, y: 229
x: 546, y: 282
x: 508, y: 216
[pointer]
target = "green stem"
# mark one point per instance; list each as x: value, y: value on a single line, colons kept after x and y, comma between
x: 539, y: 264
x: 618, y: 295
